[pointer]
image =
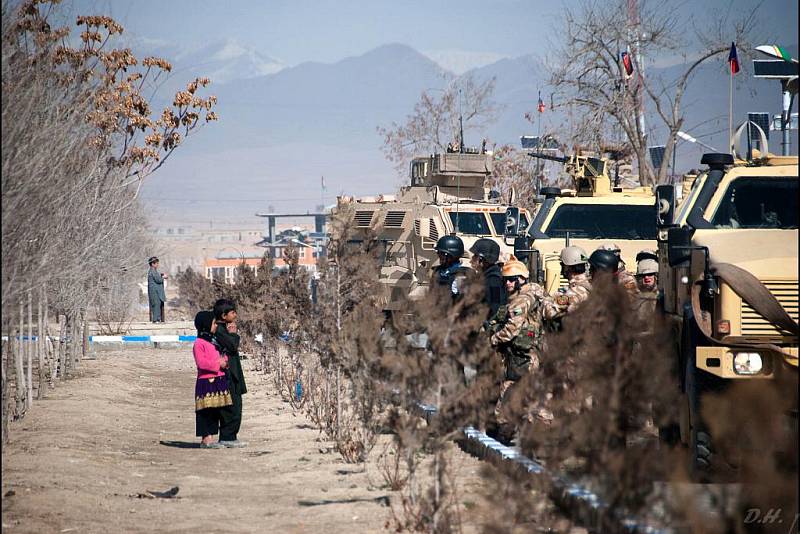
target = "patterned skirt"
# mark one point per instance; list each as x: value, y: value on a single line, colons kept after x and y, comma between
x: 212, y: 393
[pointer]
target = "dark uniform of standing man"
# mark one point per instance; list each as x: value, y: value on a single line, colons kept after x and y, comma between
x: 228, y: 341
x: 485, y: 253
x: 155, y: 291
x: 450, y: 275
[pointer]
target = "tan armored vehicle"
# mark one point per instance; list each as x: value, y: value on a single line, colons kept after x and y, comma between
x: 728, y: 277
x: 592, y: 213
x: 447, y: 195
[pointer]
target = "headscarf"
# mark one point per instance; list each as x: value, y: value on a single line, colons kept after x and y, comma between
x: 203, y: 321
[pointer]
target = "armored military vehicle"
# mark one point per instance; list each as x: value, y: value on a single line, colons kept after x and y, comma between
x: 447, y: 195
x: 728, y: 277
x: 590, y: 214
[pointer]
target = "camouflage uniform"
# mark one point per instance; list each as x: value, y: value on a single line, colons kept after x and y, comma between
x: 645, y: 305
x: 566, y: 300
x: 628, y: 282
x: 518, y: 340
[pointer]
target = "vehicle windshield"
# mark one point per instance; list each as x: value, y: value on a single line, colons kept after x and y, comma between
x: 471, y: 223
x: 689, y: 200
x: 603, y: 221
x: 499, y: 222
x: 758, y: 202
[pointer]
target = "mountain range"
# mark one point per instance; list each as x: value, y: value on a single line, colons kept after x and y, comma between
x: 282, y: 128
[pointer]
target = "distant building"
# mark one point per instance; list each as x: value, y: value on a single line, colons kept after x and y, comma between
x: 223, y: 269
x: 310, y: 247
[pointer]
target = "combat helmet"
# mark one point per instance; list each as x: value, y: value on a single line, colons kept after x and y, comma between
x: 486, y: 249
x: 646, y: 266
x: 513, y: 268
x: 646, y: 254
x: 450, y: 245
x: 572, y: 256
x: 604, y: 260
x: 612, y: 247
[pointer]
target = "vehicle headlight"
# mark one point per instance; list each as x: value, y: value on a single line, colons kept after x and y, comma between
x: 747, y: 363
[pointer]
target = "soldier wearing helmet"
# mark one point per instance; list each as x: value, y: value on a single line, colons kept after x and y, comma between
x: 449, y: 274
x: 573, y: 268
x: 485, y: 253
x: 518, y: 336
x: 646, y: 278
x: 647, y: 271
x: 621, y: 275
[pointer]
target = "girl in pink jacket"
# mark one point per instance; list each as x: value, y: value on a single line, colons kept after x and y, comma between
x: 211, y: 391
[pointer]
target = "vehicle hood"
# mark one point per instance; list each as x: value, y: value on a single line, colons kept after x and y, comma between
x: 767, y: 254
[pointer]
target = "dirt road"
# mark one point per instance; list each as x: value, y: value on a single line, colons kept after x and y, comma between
x: 84, y: 459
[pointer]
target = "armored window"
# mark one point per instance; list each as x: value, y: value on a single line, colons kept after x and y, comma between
x: 394, y: 219
x: 758, y: 202
x: 603, y: 221
x: 499, y: 222
x: 470, y: 223
x: 363, y: 218
x: 434, y: 232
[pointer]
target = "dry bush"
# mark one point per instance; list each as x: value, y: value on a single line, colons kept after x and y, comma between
x: 391, y: 467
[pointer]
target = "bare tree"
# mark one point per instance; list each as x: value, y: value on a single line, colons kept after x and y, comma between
x: 78, y: 139
x: 435, y: 120
x: 592, y: 79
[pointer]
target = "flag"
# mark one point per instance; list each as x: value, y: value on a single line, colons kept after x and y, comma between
x: 733, y: 59
x: 540, y: 106
x: 627, y: 64
x: 776, y: 51
x: 322, y: 184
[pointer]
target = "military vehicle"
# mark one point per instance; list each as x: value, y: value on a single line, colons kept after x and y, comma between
x: 592, y: 213
x: 447, y: 195
x: 728, y: 277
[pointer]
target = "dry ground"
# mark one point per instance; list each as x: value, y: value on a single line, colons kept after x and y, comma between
x: 83, y: 458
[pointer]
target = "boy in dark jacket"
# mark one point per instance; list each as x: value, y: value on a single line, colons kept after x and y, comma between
x: 228, y: 341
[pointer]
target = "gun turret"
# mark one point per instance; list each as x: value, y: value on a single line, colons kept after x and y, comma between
x: 588, y: 172
x: 560, y: 159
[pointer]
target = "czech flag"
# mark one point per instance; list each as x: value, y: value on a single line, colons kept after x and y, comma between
x: 540, y: 105
x: 733, y: 59
x: 627, y: 64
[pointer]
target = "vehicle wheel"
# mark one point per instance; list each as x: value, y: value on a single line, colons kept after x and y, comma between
x: 701, y: 449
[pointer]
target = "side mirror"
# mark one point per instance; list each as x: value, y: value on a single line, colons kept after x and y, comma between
x: 512, y: 223
x: 522, y: 248
x: 665, y: 206
x: 679, y: 242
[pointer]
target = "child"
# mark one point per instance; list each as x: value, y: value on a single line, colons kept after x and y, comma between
x: 211, y: 391
x: 228, y: 339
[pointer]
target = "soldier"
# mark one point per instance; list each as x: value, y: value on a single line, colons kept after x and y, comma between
x: 518, y: 336
x: 485, y: 253
x: 647, y: 271
x: 646, y: 278
x: 573, y: 268
x: 450, y: 274
x: 624, y: 278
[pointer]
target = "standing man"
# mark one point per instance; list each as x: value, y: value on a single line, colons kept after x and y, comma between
x: 573, y: 268
x: 518, y: 339
x: 155, y: 291
x: 227, y: 338
x: 647, y: 280
x: 450, y: 275
x: 624, y: 278
x: 485, y: 253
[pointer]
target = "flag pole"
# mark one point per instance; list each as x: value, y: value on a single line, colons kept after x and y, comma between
x: 730, y: 112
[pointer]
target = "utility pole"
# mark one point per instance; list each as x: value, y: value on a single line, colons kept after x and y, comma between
x: 636, y: 52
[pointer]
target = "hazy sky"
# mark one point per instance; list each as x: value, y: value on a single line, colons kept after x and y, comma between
x: 294, y: 31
